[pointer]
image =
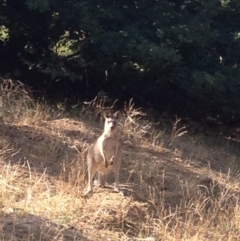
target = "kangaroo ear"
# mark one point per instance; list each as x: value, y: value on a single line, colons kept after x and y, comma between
x: 106, y: 114
x: 117, y: 114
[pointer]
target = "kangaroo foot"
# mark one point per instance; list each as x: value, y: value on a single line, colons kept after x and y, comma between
x: 87, y: 193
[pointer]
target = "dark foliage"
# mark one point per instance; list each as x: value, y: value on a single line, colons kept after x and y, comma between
x: 178, y: 55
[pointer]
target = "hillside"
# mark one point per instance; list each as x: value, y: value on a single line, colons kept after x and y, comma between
x: 180, y: 180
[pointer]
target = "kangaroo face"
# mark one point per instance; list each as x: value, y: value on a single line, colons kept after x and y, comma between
x: 111, y: 122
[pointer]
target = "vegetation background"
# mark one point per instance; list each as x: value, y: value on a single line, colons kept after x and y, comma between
x: 173, y: 55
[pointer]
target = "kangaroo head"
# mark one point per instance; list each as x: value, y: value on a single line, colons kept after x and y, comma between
x: 111, y: 121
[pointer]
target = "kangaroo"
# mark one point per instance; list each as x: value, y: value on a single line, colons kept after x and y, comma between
x: 105, y: 154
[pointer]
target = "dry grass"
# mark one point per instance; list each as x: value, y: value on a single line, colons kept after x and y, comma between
x: 176, y: 187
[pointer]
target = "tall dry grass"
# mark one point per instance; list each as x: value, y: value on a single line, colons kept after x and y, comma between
x: 171, y: 191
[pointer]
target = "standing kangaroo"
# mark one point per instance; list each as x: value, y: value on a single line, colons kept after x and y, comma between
x: 105, y: 154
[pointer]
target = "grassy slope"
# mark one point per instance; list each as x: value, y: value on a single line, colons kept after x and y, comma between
x: 177, y: 185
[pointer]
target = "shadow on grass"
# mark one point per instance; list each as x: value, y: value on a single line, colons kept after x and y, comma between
x: 165, y: 177
x: 29, y: 227
x: 42, y: 150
